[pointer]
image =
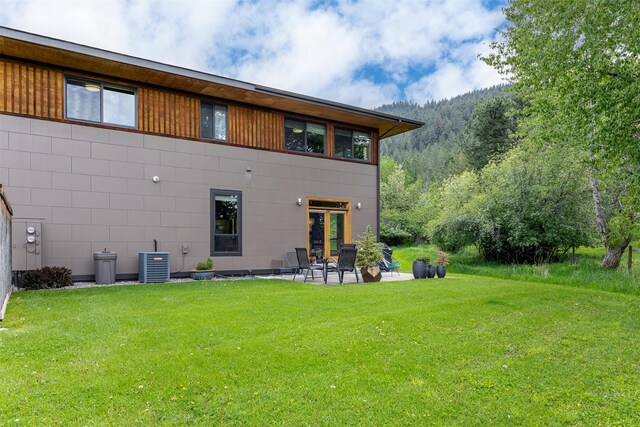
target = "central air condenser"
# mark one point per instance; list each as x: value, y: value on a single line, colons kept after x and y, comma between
x: 153, y: 267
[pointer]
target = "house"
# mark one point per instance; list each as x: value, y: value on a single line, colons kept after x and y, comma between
x: 100, y: 150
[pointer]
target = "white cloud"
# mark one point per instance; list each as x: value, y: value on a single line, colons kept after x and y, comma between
x: 462, y: 71
x: 365, y: 53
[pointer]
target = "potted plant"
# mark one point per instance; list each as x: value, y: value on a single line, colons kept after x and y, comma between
x: 442, y: 261
x: 204, y: 270
x: 368, y: 256
x: 419, y: 267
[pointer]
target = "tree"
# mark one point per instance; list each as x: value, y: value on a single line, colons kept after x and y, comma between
x: 399, y: 220
x: 577, y: 65
x: 490, y: 129
x: 530, y: 207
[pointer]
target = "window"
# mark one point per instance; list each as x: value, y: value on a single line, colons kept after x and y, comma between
x: 213, y: 121
x: 99, y: 102
x: 352, y: 144
x: 226, y: 222
x: 304, y: 137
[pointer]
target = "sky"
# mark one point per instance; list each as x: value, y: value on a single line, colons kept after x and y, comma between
x: 364, y: 53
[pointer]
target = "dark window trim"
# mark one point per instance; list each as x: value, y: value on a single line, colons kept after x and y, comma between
x: 212, y: 226
x: 102, y: 85
x: 306, y: 122
x: 369, y: 160
x: 214, y: 105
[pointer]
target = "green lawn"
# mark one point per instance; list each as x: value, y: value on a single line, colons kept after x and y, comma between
x: 584, y: 271
x: 464, y: 350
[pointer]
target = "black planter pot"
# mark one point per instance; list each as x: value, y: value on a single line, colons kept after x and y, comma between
x: 431, y: 271
x: 441, y: 271
x: 419, y: 269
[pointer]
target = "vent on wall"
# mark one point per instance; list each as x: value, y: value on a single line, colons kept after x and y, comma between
x: 153, y: 267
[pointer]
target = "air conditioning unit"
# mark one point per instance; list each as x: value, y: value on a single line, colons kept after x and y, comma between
x: 153, y: 267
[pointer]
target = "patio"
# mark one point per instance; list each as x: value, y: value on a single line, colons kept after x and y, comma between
x: 349, y: 278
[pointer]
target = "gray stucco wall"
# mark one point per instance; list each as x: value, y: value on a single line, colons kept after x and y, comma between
x: 93, y: 189
x: 5, y: 252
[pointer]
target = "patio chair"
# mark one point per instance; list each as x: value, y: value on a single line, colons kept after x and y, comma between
x: 346, y: 262
x: 389, y: 263
x: 284, y: 266
x: 304, y: 264
x: 290, y: 263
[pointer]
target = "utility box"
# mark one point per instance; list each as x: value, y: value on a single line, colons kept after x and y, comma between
x: 105, y: 266
x: 26, y: 246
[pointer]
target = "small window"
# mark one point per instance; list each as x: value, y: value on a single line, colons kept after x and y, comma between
x: 213, y: 121
x: 226, y: 219
x: 99, y: 102
x: 304, y: 137
x: 352, y: 144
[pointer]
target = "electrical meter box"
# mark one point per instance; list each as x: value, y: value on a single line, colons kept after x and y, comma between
x: 26, y: 244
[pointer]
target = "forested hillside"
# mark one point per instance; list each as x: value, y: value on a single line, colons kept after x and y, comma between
x: 432, y: 152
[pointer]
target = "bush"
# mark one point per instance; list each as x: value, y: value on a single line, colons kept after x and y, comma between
x: 47, y: 278
x: 369, y: 252
x: 530, y: 207
x: 206, y: 265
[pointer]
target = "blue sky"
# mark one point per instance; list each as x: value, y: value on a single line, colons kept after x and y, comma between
x: 364, y: 53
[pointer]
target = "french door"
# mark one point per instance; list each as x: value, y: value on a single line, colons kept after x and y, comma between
x: 329, y: 226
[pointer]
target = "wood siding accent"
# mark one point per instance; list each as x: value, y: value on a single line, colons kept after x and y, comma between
x: 38, y: 91
x: 255, y: 128
x: 31, y: 90
x: 168, y: 113
x: 374, y: 148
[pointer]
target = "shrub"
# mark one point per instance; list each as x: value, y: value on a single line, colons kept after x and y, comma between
x: 369, y: 252
x: 442, y: 259
x: 47, y: 278
x: 206, y: 265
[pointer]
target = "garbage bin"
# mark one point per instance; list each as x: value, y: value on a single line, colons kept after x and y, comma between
x: 105, y: 265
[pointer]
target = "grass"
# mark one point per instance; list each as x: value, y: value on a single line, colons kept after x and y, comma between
x: 585, y: 272
x: 465, y: 350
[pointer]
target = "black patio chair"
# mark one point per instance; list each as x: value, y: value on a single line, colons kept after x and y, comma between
x: 304, y: 264
x: 346, y: 262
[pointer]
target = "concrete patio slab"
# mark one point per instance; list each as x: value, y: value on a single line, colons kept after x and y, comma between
x: 349, y: 278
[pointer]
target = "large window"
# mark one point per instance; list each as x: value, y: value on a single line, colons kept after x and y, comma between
x: 99, y: 102
x: 352, y: 144
x: 213, y: 121
x: 304, y: 137
x: 226, y: 222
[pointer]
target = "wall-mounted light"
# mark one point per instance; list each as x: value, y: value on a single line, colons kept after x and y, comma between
x: 155, y: 179
x: 299, y: 201
x: 248, y: 169
x: 358, y: 205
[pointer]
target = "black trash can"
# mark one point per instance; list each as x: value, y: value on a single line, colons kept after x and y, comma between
x: 105, y: 266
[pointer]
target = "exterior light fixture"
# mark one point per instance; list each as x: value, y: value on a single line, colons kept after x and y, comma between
x: 156, y: 179
x: 359, y: 205
x: 299, y: 201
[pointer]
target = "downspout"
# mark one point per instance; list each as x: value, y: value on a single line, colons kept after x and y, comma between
x: 378, y: 178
